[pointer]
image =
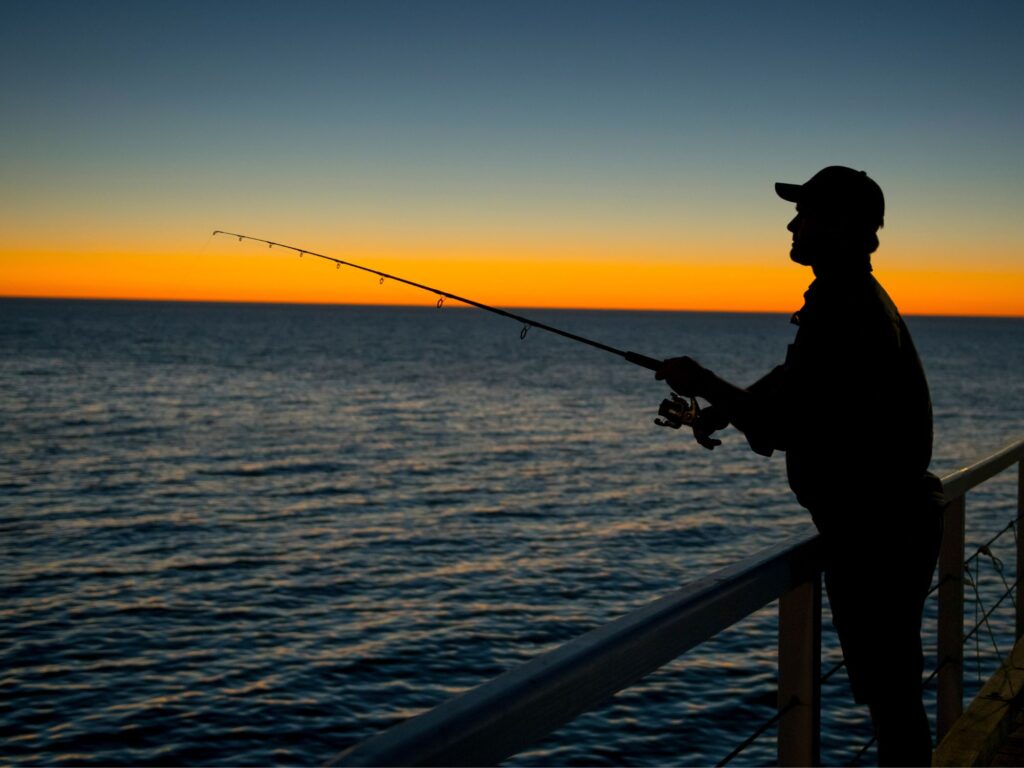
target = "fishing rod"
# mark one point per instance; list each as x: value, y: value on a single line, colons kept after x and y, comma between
x: 674, y: 412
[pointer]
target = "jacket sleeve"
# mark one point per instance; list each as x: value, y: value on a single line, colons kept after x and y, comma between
x: 758, y: 419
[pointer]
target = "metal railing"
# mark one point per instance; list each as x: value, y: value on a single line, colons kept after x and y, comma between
x: 504, y: 716
x: 950, y: 693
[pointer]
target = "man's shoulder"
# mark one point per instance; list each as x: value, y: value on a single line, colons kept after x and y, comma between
x: 884, y: 301
x: 860, y: 308
x: 862, y: 297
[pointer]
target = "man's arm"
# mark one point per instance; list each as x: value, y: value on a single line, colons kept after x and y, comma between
x: 750, y: 410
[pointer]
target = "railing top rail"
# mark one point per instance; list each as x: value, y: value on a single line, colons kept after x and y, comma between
x: 509, y: 713
x: 959, y: 482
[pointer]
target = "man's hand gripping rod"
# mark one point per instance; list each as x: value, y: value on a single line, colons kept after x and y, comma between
x: 675, y: 412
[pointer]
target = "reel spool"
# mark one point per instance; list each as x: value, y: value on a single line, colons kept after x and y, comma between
x: 677, y: 412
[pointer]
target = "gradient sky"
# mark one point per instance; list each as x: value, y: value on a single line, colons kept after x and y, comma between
x: 602, y: 154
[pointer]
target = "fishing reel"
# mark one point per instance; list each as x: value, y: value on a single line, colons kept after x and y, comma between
x: 677, y: 412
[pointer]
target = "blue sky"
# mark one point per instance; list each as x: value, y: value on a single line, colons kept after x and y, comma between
x: 621, y: 120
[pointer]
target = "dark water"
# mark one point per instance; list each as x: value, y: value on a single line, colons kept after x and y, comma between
x: 258, y: 534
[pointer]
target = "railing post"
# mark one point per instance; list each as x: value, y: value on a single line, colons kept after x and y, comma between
x: 1019, y: 536
x: 950, y: 697
x: 800, y: 674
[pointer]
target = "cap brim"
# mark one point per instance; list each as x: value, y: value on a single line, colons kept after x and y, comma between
x: 790, y: 192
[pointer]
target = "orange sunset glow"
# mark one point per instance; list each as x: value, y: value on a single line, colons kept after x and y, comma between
x: 233, y: 272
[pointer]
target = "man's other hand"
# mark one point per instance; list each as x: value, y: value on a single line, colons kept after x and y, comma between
x: 709, y: 420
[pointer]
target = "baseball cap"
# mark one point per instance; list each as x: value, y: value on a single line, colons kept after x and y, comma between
x: 838, y: 189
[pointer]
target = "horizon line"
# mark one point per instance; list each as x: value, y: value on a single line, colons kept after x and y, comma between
x: 458, y: 305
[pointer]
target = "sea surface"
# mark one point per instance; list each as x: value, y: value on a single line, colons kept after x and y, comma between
x: 255, y: 534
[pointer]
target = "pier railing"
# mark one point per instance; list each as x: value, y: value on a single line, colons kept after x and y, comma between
x: 508, y: 714
x: 950, y: 648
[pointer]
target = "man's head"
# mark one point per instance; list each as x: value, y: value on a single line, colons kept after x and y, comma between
x: 839, y: 211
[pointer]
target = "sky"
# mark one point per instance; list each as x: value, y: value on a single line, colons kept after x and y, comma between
x: 525, y: 154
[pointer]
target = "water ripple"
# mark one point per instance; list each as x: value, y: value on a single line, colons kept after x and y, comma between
x: 260, y: 534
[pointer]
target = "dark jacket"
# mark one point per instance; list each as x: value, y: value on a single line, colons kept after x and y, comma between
x: 850, y: 405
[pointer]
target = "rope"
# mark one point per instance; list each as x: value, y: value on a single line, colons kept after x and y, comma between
x: 1012, y: 524
x: 773, y: 720
x: 989, y: 613
x: 977, y: 608
x: 997, y: 565
x: 985, y: 621
x: 935, y: 672
x: 832, y: 671
x: 865, y: 748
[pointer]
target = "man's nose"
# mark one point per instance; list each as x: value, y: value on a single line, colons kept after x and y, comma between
x: 792, y: 224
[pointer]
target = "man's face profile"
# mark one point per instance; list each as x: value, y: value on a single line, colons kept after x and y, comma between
x: 809, y: 237
x: 819, y: 235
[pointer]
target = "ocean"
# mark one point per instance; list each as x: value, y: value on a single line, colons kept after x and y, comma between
x: 250, y: 534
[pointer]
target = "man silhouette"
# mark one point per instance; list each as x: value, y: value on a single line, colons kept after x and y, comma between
x: 851, y: 409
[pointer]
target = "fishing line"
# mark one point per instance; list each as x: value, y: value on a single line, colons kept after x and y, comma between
x: 676, y: 411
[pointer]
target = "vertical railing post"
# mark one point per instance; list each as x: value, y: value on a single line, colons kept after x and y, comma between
x: 950, y: 696
x: 800, y: 675
x: 1019, y: 536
